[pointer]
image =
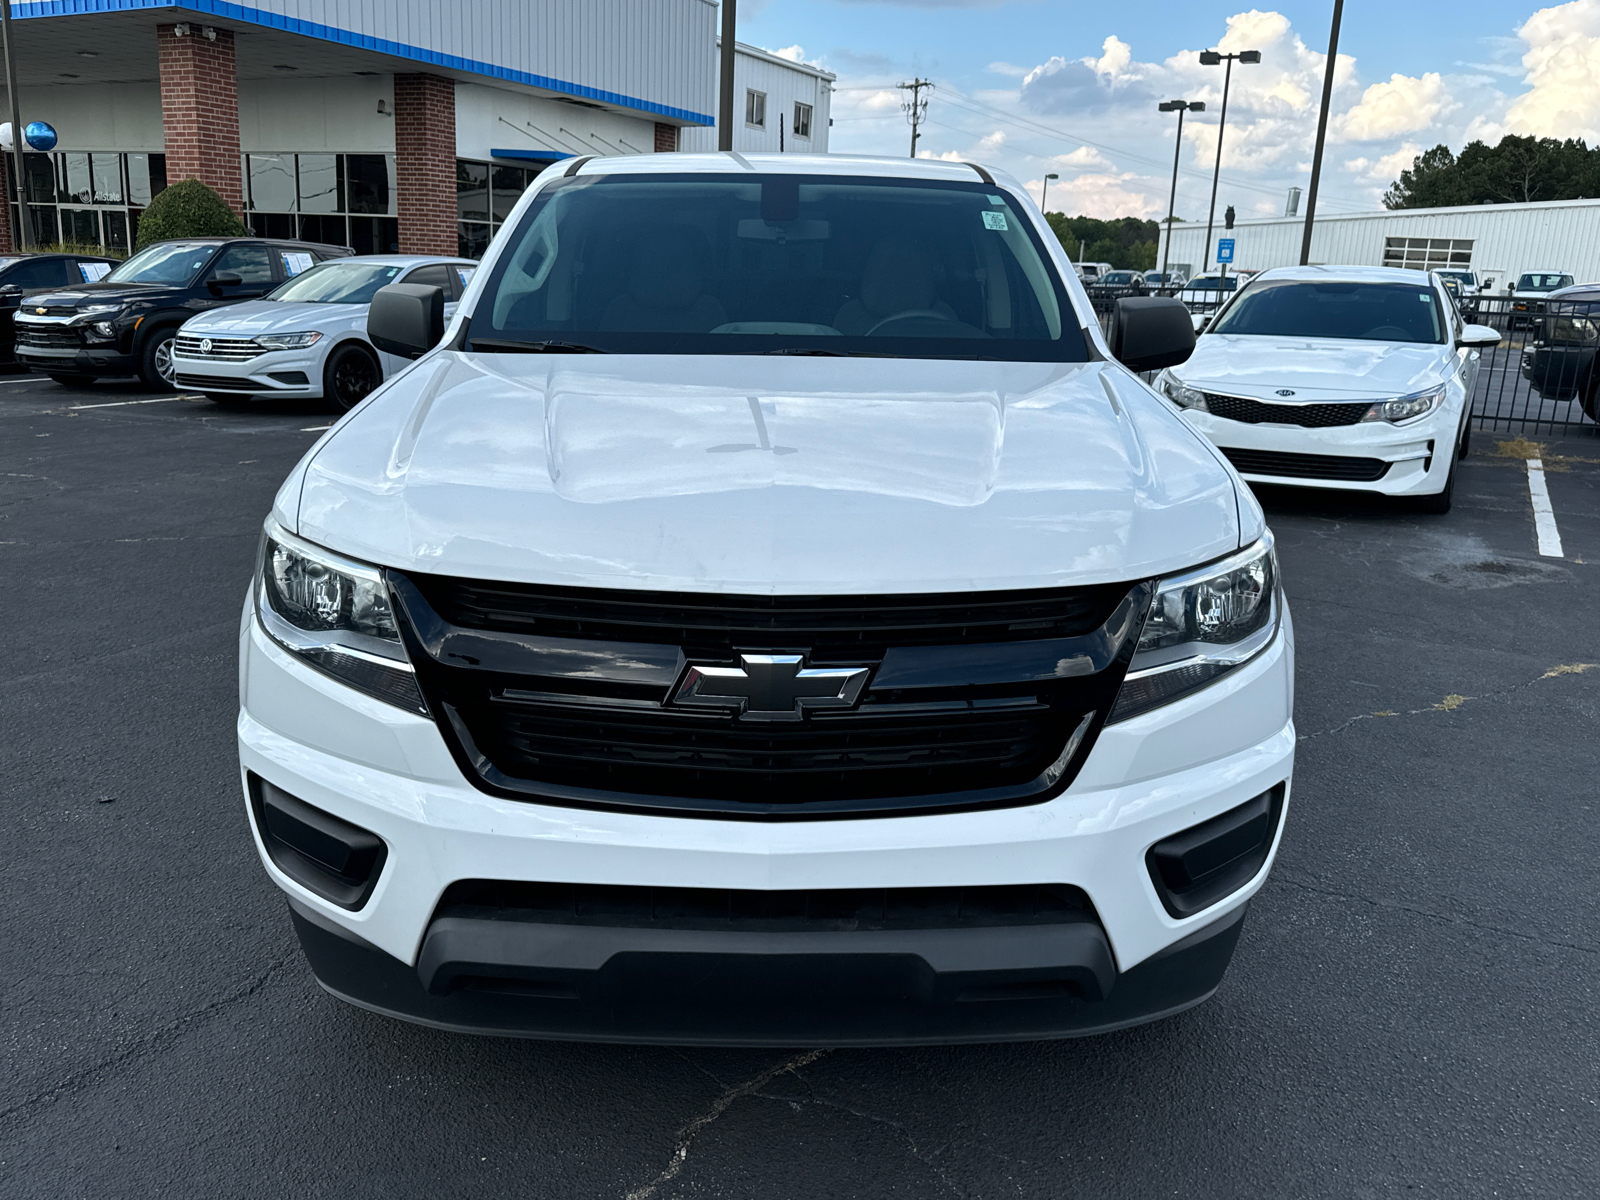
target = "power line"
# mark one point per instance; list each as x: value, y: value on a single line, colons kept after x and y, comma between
x: 916, y: 108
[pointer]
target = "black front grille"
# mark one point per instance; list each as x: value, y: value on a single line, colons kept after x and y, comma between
x: 48, y: 339
x: 217, y: 383
x: 1342, y: 468
x: 816, y: 909
x: 1309, y: 416
x: 565, y: 694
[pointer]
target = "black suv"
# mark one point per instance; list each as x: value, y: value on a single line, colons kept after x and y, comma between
x: 1560, y: 360
x: 24, y: 273
x: 125, y: 323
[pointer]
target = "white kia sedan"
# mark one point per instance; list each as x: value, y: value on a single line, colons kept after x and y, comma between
x: 309, y: 337
x: 1337, y: 377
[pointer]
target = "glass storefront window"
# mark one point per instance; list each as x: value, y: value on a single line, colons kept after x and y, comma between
x: 370, y: 183
x: 80, y: 226
x: 472, y: 191
x: 509, y: 184
x: 321, y: 188
x: 107, y: 172
x: 76, y: 187
x: 272, y: 186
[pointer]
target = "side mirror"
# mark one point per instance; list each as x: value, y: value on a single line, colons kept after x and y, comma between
x: 1478, y: 335
x: 406, y: 319
x: 1150, y: 332
x: 216, y: 283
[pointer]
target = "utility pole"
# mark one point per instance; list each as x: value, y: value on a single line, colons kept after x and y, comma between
x: 24, y: 228
x: 1179, y: 107
x: 725, y: 77
x: 1210, y: 58
x: 916, y: 108
x: 1322, y: 132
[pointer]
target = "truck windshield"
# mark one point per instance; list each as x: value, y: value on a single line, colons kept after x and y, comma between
x: 337, y: 283
x: 800, y: 264
x: 1543, y: 282
x: 1373, y: 312
x: 165, y: 262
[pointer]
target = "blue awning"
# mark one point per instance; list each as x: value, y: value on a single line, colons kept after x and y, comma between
x: 544, y: 156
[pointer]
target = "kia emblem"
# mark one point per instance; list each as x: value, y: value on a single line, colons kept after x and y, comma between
x: 1285, y: 391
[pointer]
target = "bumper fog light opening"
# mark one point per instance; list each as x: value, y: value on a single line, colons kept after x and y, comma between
x: 324, y: 854
x: 1208, y: 862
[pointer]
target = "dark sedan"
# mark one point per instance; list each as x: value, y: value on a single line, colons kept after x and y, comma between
x: 24, y: 273
x: 1560, y: 362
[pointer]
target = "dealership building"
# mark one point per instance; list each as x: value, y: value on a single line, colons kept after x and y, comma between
x: 388, y: 125
x: 1498, y: 241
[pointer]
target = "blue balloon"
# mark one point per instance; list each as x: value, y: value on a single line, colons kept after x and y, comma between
x: 40, y: 135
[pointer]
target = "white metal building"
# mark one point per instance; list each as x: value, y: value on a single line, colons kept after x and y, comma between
x: 1497, y: 240
x: 778, y: 106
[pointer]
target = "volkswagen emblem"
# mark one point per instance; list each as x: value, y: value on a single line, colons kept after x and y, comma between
x: 1285, y: 391
x: 770, y: 687
x: 205, y: 346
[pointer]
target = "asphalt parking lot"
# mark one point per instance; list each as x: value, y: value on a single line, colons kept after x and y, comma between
x: 1412, y: 1009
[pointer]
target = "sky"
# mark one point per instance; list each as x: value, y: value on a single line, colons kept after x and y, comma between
x: 1071, y: 88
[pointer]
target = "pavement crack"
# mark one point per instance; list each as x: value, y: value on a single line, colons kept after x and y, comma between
x: 149, y: 1043
x: 1445, y: 918
x: 687, y: 1135
x: 1451, y: 702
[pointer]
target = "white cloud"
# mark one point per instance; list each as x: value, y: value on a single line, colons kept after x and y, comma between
x: 1084, y: 158
x: 1403, y: 104
x: 1008, y: 69
x: 1562, y: 61
x: 794, y: 54
x: 1386, y: 168
x: 1103, y: 195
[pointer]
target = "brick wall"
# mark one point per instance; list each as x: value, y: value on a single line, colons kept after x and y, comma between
x: 200, y: 109
x: 666, y: 138
x: 425, y: 162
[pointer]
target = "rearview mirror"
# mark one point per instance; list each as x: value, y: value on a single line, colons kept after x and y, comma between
x: 1150, y: 332
x: 1478, y: 335
x: 406, y: 319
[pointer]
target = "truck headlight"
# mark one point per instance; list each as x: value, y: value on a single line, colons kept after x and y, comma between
x: 1202, y: 624
x: 1406, y: 408
x: 287, y: 341
x: 1184, y: 397
x: 334, y: 614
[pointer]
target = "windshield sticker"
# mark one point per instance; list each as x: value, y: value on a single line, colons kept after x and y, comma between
x: 295, y: 261
x: 466, y: 274
x: 1425, y: 298
x: 93, y: 272
x: 994, y: 220
x: 1000, y: 200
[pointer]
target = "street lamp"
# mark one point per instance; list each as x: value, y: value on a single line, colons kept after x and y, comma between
x: 1210, y: 58
x: 1179, y: 107
x: 1045, y: 194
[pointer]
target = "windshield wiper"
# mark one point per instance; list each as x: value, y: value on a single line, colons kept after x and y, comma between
x: 513, y: 346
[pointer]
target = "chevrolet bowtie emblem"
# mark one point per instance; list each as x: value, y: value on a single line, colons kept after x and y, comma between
x: 40, y: 311
x: 771, y: 687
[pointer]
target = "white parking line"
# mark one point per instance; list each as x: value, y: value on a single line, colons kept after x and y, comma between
x: 1544, y: 517
x: 315, y: 428
x: 120, y: 403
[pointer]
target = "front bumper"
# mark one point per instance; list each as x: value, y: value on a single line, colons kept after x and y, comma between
x: 390, y: 772
x: 274, y: 373
x: 1559, y: 372
x: 78, y: 361
x: 1418, y: 456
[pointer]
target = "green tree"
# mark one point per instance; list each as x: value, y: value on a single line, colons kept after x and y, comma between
x: 1127, y: 243
x: 1518, y: 170
x: 187, y: 208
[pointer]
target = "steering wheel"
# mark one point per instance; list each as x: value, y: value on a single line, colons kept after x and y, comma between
x: 907, y: 315
x: 1387, y: 333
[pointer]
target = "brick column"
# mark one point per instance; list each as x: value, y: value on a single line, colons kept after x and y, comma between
x: 200, y: 108
x: 666, y: 138
x: 425, y: 163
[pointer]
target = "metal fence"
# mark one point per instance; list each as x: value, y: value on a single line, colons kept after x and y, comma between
x: 1542, y: 378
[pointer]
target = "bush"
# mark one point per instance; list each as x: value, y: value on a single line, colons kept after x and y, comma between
x: 187, y: 209
x: 91, y: 249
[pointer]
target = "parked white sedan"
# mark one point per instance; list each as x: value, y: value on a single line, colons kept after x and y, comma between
x: 1337, y: 377
x: 309, y: 337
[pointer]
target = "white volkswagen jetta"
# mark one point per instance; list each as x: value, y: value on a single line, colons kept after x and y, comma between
x: 1337, y: 377
x: 768, y: 617
x: 309, y: 336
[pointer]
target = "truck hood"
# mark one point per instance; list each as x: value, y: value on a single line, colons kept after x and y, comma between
x: 767, y: 475
x: 1313, y: 368
x: 81, y: 294
x: 270, y: 316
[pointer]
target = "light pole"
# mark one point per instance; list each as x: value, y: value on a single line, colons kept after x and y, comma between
x: 1044, y: 195
x: 1179, y: 107
x: 1322, y: 132
x: 1210, y: 58
x: 23, y: 234
x: 730, y: 28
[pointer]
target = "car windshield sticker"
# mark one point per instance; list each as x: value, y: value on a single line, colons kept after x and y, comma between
x: 994, y: 220
x: 93, y: 272
x: 295, y: 261
x: 1425, y: 298
x: 1000, y: 200
x: 466, y: 274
